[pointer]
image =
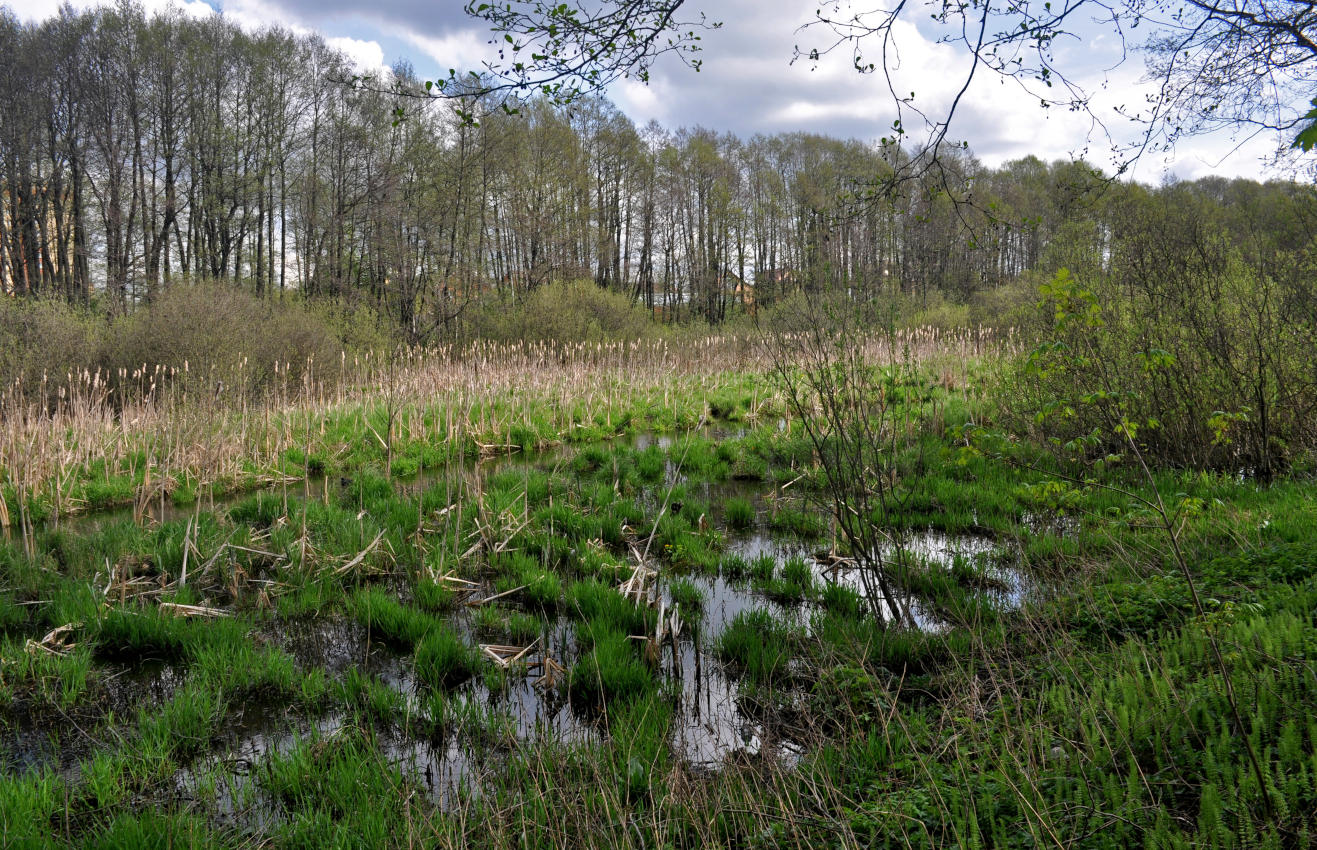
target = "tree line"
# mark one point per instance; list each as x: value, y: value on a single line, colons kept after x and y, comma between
x: 141, y: 149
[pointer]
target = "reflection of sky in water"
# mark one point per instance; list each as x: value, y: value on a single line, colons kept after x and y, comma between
x: 708, y: 726
x: 934, y: 548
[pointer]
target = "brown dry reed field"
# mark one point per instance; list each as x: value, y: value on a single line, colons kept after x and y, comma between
x: 91, y: 440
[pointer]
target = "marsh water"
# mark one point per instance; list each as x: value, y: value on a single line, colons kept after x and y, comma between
x: 709, y: 724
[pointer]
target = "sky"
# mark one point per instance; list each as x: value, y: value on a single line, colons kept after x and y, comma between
x: 749, y: 84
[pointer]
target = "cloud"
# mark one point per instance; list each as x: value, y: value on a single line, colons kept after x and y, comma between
x: 35, y: 11
x: 749, y: 85
x: 254, y: 15
x: 424, y: 17
x: 367, y: 56
x: 197, y: 9
x: 459, y: 49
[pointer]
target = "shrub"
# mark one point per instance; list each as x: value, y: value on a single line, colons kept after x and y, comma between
x: 578, y: 311
x: 1198, y: 342
x: 222, y: 333
x: 44, y: 337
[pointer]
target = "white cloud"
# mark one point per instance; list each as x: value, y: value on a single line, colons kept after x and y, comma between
x: 460, y: 50
x: 254, y: 15
x: 196, y: 9
x: 40, y: 10
x: 367, y: 56
x: 643, y: 102
x: 37, y: 10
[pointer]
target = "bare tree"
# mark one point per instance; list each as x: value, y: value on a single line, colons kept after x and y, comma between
x: 829, y: 365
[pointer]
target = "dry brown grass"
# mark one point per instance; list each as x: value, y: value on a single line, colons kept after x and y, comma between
x: 153, y: 426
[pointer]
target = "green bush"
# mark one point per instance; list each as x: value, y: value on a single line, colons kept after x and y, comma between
x: 222, y: 333
x: 576, y: 311
x: 1197, y: 343
x: 45, y: 337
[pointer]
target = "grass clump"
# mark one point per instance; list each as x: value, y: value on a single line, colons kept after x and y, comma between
x: 185, y: 725
x: 841, y: 600
x: 390, y: 621
x: 749, y: 467
x: 28, y: 805
x: 733, y: 566
x: 899, y: 651
x: 567, y: 522
x: 434, y: 597
x: 688, y: 595
x: 144, y: 632
x: 53, y: 680
x: 803, y: 524
x: 650, y: 464
x: 369, y: 696
x: 759, y: 645
x: 639, y: 730
x: 230, y: 661
x: 443, y: 660
x: 762, y: 568
x: 793, y: 583
x: 600, y: 608
x: 611, y: 671
x: 541, y: 590
x: 496, y: 620
x: 740, y: 513
x: 339, y: 792
x: 149, y: 830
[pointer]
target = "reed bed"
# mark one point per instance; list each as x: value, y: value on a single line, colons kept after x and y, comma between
x: 92, y: 440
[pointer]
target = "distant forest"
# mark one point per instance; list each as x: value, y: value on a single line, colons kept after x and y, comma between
x: 139, y: 150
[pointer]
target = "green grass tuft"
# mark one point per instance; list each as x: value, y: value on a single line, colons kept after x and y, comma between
x: 389, y: 620
x: 758, y: 645
x: 443, y: 660
x: 611, y: 671
x: 740, y: 513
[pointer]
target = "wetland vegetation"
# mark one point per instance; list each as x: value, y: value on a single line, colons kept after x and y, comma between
x: 557, y: 483
x: 487, y: 611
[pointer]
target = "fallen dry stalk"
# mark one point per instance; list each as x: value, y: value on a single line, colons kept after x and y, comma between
x: 56, y: 642
x: 179, y: 610
x: 361, y: 556
x: 476, y: 603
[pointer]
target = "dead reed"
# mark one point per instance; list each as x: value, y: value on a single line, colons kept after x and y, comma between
x: 93, y: 440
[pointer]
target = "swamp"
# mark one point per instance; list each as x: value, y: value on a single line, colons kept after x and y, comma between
x: 451, y: 454
x: 612, y: 596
